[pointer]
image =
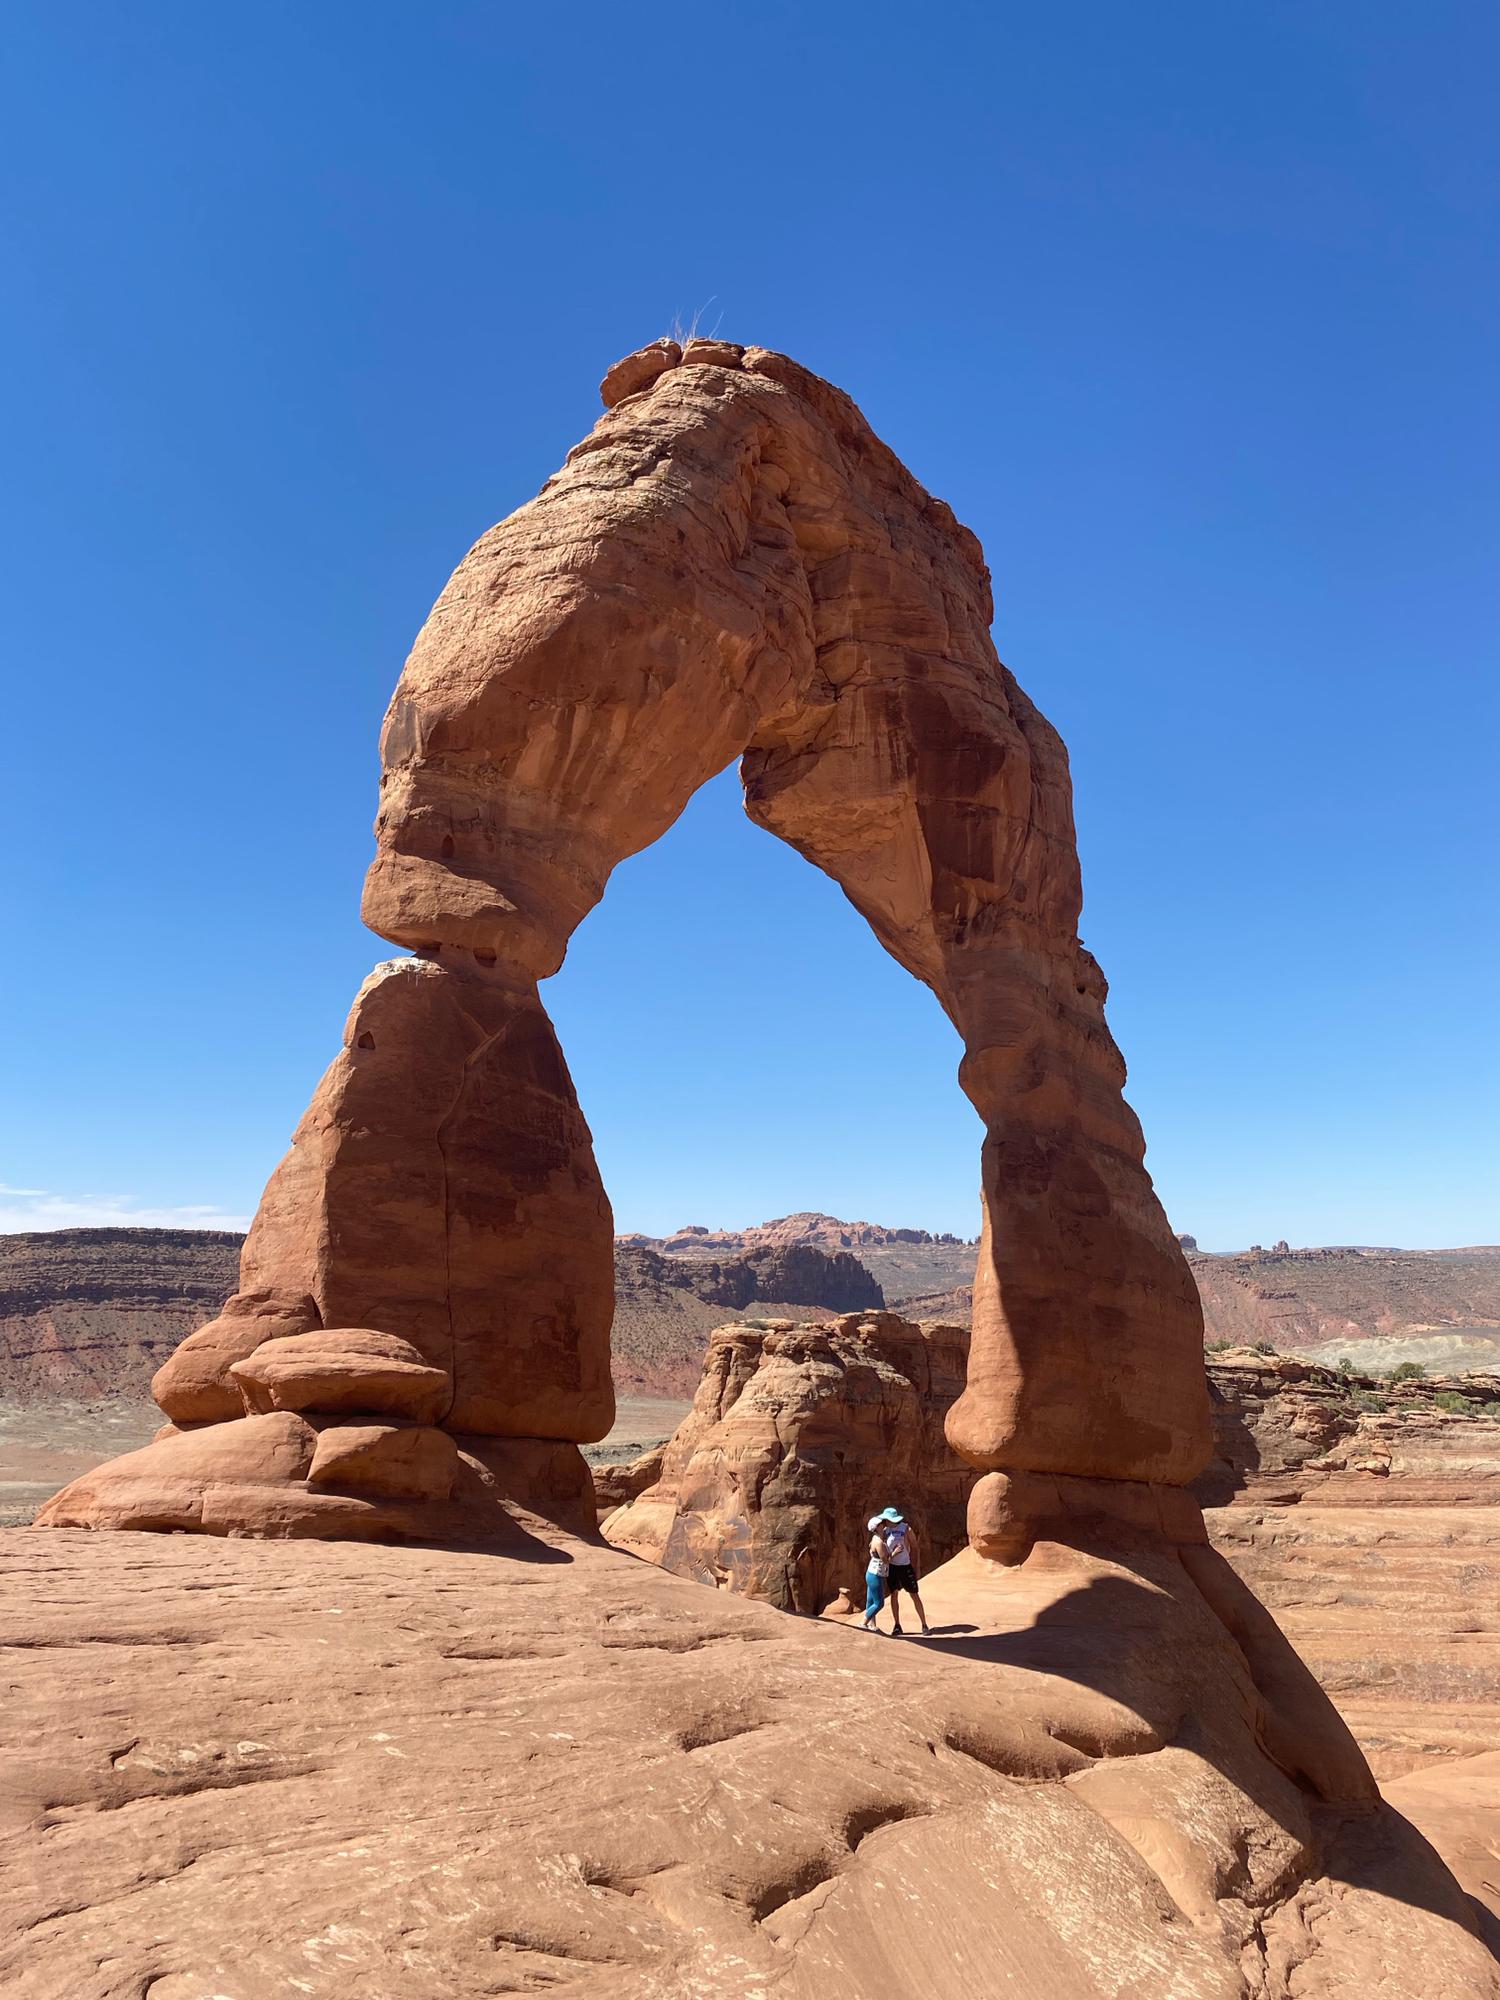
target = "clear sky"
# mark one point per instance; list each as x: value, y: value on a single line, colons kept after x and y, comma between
x: 1189, y: 310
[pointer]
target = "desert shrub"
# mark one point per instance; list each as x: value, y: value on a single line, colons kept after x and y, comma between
x: 1344, y: 1365
x: 1407, y: 1371
x: 1455, y: 1404
x: 1216, y: 1346
x: 1490, y: 1410
x: 1368, y: 1399
x: 1264, y: 1347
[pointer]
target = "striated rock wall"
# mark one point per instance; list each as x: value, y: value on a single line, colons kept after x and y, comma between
x: 1439, y: 1308
x: 1367, y: 1518
x: 797, y: 1435
x: 91, y: 1312
x: 832, y: 1279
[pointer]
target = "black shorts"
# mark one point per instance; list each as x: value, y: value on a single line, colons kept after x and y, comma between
x: 902, y: 1577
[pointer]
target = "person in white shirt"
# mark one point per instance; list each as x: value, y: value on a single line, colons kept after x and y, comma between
x: 901, y: 1573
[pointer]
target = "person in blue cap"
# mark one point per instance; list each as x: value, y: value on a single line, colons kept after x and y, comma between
x: 901, y: 1555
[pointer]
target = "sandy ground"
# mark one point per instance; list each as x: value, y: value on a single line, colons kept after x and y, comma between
x: 44, y: 1445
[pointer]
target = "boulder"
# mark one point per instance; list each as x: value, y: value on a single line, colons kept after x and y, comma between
x: 616, y: 1485
x: 343, y: 1368
x: 195, y: 1386
x: 638, y: 371
x: 181, y: 1481
x: 412, y: 1462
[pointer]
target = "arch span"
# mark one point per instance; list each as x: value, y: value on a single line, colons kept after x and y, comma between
x: 730, y: 566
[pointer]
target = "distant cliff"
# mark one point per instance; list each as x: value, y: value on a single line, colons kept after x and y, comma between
x: 90, y: 1312
x: 95, y: 1312
x: 666, y: 1307
x: 905, y: 1262
x: 823, y: 1232
x: 1438, y: 1308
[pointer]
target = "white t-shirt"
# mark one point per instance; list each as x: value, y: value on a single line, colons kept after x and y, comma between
x: 898, y: 1544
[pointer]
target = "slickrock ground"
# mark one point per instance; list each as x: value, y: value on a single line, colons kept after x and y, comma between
x: 259, y: 1769
x: 1366, y: 1518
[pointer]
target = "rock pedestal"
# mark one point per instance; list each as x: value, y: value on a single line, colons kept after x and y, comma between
x: 732, y: 565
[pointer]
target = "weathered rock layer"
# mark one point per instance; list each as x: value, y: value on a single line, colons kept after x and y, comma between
x: 88, y: 1312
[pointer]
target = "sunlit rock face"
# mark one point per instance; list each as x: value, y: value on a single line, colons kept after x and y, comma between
x: 798, y: 1433
x: 732, y: 565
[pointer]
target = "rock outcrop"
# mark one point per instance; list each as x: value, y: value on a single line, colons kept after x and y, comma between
x: 1367, y: 1517
x: 731, y: 565
x: 796, y: 1436
x: 794, y: 1274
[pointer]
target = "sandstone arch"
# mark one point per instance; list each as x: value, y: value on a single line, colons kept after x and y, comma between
x: 732, y: 565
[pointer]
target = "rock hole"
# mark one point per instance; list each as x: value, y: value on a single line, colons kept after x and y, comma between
x: 815, y: 1870
x: 366, y: 1040
x: 711, y: 1729
x: 447, y: 847
x: 865, y: 1820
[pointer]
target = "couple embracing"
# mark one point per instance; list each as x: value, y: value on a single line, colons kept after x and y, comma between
x: 892, y: 1567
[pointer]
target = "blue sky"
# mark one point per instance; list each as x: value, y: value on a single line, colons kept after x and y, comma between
x: 1190, y: 313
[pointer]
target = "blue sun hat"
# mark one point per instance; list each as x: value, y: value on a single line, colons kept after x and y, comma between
x: 891, y: 1514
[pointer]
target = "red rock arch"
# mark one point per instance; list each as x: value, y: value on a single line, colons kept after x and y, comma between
x: 732, y: 565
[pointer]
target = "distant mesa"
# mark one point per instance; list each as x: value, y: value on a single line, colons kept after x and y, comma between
x: 95, y: 1312
x: 824, y: 1232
